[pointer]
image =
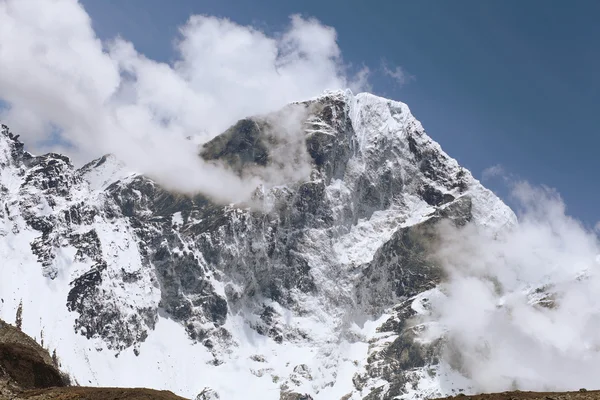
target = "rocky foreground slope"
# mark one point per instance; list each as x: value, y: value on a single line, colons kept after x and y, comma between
x: 307, y: 289
x: 582, y: 394
x: 28, y: 371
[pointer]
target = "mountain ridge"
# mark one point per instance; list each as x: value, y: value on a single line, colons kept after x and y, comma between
x: 307, y: 295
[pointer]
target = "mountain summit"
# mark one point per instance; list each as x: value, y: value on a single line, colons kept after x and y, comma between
x: 305, y: 293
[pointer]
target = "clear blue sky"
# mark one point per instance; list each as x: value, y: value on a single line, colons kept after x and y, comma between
x: 507, y: 82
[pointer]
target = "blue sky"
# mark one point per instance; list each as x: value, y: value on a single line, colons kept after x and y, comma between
x: 495, y: 82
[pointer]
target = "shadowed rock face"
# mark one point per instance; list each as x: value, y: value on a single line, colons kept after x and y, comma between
x: 404, y: 263
x: 242, y: 145
x: 355, y: 237
x: 26, y: 368
x: 24, y: 364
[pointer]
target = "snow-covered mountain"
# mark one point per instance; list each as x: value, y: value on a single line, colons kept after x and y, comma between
x: 305, y: 292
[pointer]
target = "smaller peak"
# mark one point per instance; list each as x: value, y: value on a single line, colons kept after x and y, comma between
x: 107, y: 158
x: 5, y: 130
x: 104, y: 171
x: 111, y: 158
x: 11, y: 148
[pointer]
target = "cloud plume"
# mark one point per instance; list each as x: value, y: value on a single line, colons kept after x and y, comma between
x: 68, y: 91
x: 520, y: 309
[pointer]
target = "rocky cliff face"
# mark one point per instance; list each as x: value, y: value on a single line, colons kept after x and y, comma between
x: 305, y: 291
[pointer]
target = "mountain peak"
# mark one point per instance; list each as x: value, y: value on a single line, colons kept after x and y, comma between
x: 305, y: 297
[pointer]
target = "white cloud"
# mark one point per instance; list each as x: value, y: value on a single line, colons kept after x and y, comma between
x: 397, y: 73
x: 497, y: 335
x: 493, y: 172
x: 56, y: 75
x: 360, y: 81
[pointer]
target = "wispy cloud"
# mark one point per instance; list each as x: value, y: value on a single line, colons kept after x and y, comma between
x: 360, y: 81
x: 494, y: 171
x: 397, y: 73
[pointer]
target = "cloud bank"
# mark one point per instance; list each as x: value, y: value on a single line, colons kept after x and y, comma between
x: 520, y: 309
x: 68, y: 91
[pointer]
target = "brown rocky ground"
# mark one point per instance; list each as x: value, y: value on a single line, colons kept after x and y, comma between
x: 87, y: 393
x: 518, y: 395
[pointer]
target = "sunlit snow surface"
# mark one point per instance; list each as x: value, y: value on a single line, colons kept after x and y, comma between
x: 255, y: 366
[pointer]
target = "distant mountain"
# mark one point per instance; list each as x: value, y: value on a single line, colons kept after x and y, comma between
x: 304, y: 292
